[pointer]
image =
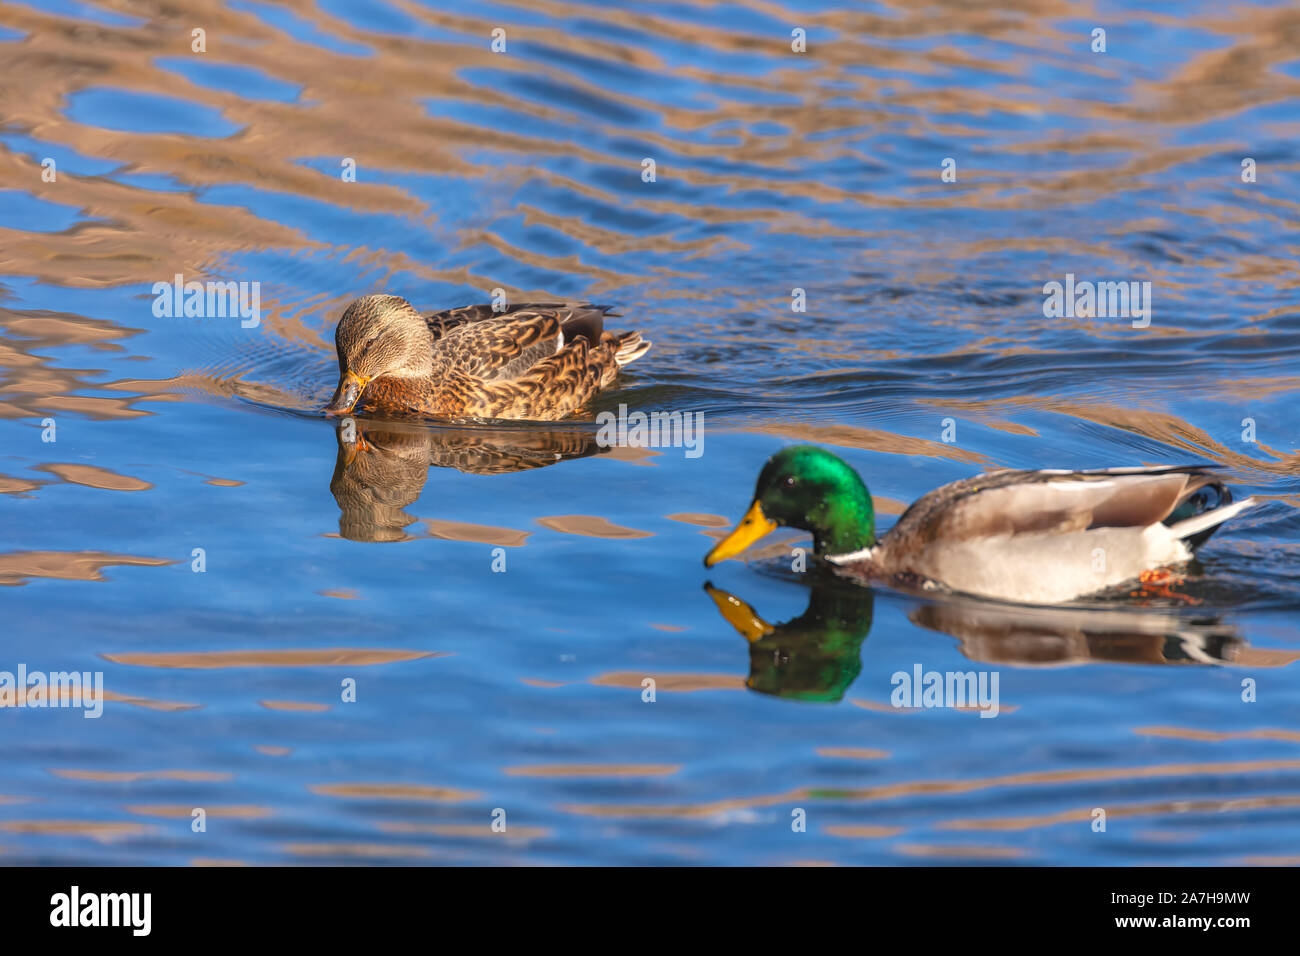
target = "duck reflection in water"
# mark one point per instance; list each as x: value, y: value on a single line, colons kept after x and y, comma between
x: 817, y: 655
x: 381, y: 467
x: 1060, y: 636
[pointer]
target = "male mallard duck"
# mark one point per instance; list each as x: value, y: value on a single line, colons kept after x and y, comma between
x: 1039, y: 537
x: 538, y: 362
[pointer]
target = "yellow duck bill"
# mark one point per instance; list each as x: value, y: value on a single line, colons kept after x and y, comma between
x: 753, y: 526
x: 346, y: 395
x: 740, y: 615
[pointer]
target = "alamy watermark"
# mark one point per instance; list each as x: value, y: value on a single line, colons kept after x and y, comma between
x: 75, y: 908
x: 652, y: 430
x: 26, y: 688
x: 965, y: 689
x: 1103, y: 300
x: 209, y: 300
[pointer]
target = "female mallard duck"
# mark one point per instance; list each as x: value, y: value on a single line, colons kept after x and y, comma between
x: 538, y: 362
x: 1039, y: 537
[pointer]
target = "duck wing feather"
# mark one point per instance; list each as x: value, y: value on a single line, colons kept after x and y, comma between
x: 1009, y: 502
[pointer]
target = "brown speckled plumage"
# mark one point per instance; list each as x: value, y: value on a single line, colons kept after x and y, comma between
x: 533, y: 361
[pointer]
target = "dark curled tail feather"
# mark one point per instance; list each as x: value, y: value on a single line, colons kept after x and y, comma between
x: 1210, y: 496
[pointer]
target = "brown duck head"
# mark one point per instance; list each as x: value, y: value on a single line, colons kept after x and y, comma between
x: 378, y: 336
x: 380, y: 470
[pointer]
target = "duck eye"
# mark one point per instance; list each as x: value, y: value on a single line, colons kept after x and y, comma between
x: 791, y: 481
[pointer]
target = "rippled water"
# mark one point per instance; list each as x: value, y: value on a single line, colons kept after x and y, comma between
x: 480, y: 692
